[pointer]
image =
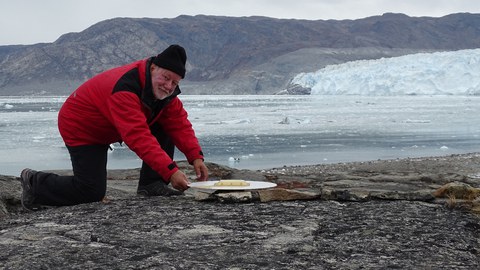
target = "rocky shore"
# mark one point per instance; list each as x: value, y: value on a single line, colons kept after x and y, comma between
x: 417, y: 213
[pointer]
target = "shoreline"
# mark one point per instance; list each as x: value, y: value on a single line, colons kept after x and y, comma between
x: 466, y: 163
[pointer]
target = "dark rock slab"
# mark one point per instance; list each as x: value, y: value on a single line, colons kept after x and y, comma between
x: 181, y: 233
x: 398, y: 214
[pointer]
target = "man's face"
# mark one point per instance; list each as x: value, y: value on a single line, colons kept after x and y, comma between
x: 164, y: 81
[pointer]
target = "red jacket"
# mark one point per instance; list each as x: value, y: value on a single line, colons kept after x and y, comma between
x: 118, y: 105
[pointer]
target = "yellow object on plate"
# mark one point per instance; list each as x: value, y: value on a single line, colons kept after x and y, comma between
x: 236, y: 183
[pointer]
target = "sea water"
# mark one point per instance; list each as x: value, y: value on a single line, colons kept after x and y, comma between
x: 260, y: 132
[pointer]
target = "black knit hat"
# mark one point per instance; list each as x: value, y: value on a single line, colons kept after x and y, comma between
x: 172, y: 58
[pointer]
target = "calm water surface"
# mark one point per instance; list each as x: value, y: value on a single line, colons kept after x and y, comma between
x: 259, y: 132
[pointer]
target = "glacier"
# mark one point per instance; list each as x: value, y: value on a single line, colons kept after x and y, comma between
x: 438, y: 73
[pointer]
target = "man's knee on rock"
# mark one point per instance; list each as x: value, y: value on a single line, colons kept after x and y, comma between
x: 98, y: 196
x: 93, y: 194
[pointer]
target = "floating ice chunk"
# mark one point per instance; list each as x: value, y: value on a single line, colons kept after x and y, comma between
x: 288, y: 120
x: 37, y: 139
x: 417, y: 121
x: 233, y: 160
x: 285, y: 121
x: 8, y: 106
x: 213, y: 123
x: 477, y: 175
x: 237, y: 121
x: 305, y: 121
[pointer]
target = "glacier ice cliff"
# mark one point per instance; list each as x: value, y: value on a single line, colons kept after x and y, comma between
x: 439, y: 73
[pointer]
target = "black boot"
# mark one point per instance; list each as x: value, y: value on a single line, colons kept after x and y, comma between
x: 28, y: 198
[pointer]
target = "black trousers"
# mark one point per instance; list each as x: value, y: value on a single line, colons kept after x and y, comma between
x: 89, y: 180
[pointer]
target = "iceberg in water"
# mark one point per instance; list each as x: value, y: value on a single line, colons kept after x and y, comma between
x: 439, y: 73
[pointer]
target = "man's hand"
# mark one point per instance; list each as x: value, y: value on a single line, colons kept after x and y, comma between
x: 179, y: 180
x: 200, y: 169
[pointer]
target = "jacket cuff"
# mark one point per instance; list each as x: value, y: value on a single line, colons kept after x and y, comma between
x: 169, y: 171
x: 195, y: 155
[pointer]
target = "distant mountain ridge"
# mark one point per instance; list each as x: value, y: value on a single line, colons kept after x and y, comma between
x: 229, y: 55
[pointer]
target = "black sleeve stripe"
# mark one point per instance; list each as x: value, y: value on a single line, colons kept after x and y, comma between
x: 172, y: 166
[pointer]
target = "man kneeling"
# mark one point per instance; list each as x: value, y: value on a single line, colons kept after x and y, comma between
x: 136, y: 104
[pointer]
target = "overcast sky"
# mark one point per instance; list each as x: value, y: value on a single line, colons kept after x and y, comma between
x: 35, y: 21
